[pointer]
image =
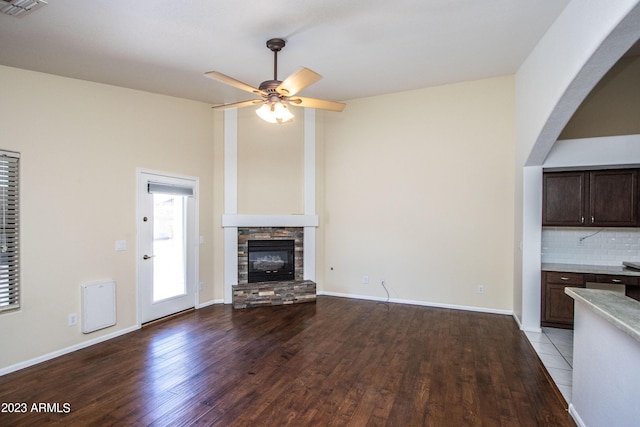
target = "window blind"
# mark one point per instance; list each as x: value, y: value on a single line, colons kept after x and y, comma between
x: 9, y: 231
x: 162, y: 188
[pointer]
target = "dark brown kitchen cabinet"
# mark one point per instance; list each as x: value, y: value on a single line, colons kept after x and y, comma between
x: 616, y: 279
x: 613, y: 198
x: 599, y: 198
x: 557, y: 307
x: 564, y: 198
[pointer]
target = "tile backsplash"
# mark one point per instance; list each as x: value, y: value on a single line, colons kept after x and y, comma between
x: 592, y: 246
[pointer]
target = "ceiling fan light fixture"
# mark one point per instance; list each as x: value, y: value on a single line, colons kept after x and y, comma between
x: 275, y: 112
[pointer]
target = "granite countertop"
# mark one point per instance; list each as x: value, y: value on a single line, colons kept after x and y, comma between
x: 619, y: 270
x: 620, y: 311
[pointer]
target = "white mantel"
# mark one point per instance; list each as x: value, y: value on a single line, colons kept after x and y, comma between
x: 236, y: 220
x: 232, y: 220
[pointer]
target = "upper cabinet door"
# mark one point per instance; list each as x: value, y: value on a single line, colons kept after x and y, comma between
x: 564, y: 198
x: 613, y: 198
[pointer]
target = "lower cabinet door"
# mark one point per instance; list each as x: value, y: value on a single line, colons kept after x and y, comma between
x: 558, y: 305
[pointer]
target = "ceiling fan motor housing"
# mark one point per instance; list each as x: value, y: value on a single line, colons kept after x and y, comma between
x: 275, y: 44
x: 269, y: 86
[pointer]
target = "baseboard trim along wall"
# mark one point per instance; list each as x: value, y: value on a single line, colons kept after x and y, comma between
x: 422, y: 303
x: 65, y: 350
x: 208, y: 303
x: 522, y: 328
x: 576, y: 416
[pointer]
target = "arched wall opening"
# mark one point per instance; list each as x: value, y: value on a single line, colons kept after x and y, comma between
x: 583, y: 44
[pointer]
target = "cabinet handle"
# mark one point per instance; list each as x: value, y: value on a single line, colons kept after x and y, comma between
x: 582, y: 219
x: 592, y: 219
x: 616, y: 280
x: 564, y: 278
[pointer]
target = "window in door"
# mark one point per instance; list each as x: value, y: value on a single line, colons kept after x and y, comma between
x: 169, y: 246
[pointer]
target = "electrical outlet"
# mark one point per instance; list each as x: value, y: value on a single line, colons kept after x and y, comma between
x: 365, y: 280
x: 480, y: 289
x: 200, y: 285
x: 73, y: 319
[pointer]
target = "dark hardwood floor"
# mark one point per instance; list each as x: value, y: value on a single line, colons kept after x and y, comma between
x: 336, y: 362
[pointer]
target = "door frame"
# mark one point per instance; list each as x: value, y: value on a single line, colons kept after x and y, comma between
x: 193, y: 241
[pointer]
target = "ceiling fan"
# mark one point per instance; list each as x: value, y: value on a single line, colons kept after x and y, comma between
x: 276, y: 94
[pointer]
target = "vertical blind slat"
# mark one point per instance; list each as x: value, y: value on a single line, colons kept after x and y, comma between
x: 9, y: 231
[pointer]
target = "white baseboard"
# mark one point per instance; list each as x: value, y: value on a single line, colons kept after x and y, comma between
x: 210, y: 302
x: 537, y: 330
x: 576, y: 416
x: 66, y: 350
x: 421, y: 303
x: 517, y: 321
x: 524, y: 329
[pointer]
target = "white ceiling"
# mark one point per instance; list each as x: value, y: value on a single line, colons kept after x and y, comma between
x: 361, y: 47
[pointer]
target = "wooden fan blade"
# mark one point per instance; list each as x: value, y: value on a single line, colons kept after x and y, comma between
x: 317, y: 103
x: 233, y: 82
x: 239, y: 104
x: 298, y: 81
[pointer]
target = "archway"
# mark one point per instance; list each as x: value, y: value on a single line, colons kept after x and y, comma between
x: 581, y: 46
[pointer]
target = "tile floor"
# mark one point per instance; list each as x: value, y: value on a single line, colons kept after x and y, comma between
x: 555, y: 348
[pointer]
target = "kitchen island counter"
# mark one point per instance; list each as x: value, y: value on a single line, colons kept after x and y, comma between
x: 606, y: 351
x: 619, y: 310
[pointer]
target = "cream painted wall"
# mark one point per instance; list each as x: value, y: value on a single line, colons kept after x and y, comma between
x: 270, y: 165
x: 612, y: 107
x: 80, y: 144
x: 419, y: 191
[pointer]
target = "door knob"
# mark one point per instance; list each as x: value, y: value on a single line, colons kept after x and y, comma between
x: 147, y: 256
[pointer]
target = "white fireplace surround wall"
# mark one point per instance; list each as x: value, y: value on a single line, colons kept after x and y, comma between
x: 231, y: 219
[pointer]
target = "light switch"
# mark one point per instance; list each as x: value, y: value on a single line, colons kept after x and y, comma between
x: 121, y: 245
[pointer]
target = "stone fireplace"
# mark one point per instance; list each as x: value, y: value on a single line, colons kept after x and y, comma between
x: 258, y: 285
x: 246, y: 234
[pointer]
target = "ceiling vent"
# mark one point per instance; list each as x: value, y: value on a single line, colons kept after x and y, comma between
x: 20, y: 8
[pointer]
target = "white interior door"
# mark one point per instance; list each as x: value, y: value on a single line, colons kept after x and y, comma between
x: 167, y: 244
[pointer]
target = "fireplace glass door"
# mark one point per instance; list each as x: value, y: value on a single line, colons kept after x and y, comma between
x: 271, y: 260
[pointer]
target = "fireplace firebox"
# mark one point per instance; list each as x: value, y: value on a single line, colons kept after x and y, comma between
x: 271, y: 260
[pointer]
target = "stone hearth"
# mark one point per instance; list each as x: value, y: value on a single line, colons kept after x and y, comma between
x: 262, y: 294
